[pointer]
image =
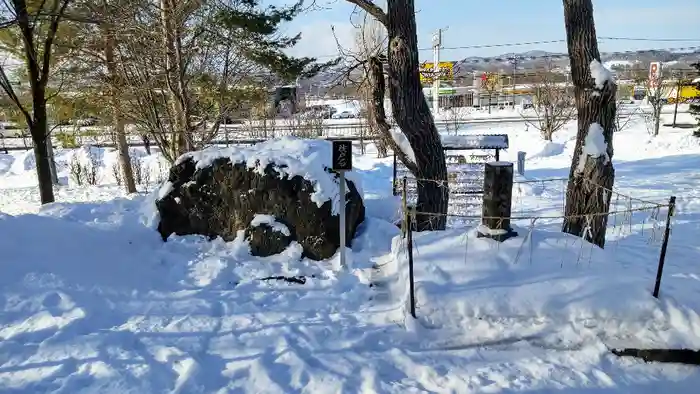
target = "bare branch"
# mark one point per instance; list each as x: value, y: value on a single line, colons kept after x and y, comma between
x: 369, y: 7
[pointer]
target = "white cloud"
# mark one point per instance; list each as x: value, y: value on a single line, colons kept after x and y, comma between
x: 318, y: 40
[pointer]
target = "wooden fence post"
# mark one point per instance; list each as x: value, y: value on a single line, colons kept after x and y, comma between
x: 497, y: 201
x: 664, y: 245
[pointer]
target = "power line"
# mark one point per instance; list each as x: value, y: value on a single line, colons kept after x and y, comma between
x: 512, y: 44
x: 542, y: 42
x: 651, y: 39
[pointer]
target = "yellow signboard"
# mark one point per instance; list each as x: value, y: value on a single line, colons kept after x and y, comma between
x: 445, y: 70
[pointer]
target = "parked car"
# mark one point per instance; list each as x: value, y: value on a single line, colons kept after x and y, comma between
x: 345, y: 114
x: 12, y: 130
x: 230, y: 120
x: 89, y: 121
x: 13, y: 133
x: 319, y: 112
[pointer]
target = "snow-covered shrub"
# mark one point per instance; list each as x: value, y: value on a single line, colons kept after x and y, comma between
x: 84, y: 166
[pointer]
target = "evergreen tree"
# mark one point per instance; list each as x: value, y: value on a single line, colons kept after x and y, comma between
x: 695, y: 106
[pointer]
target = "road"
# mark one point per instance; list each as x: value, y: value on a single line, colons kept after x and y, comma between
x: 249, y: 133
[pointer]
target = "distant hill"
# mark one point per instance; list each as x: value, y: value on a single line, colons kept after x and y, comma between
x: 530, y: 60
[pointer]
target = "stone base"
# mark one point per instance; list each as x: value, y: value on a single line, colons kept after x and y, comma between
x: 497, y: 235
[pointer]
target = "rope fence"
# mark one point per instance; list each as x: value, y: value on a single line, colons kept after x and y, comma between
x: 629, y: 222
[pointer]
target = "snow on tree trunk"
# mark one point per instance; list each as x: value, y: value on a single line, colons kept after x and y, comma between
x: 413, y: 116
x: 592, y: 170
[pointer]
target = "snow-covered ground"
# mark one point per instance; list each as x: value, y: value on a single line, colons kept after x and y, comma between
x: 92, y: 301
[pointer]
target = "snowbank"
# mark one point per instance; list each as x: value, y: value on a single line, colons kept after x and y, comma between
x: 310, y: 159
x: 549, y: 286
x: 92, y: 300
x: 549, y: 149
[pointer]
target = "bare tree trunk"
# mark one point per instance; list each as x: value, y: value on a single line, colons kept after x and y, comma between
x: 118, y: 120
x: 39, y: 132
x: 657, y: 117
x: 586, y: 194
x: 52, y: 161
x: 174, y: 74
x: 413, y: 116
x: 373, y: 93
x: 377, y: 113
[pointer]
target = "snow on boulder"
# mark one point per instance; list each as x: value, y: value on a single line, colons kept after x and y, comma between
x: 218, y: 192
x: 267, y: 236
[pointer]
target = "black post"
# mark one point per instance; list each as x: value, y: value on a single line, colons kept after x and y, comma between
x: 498, y: 155
x: 664, y: 245
x: 393, y: 183
x: 404, y: 207
x: 409, y: 241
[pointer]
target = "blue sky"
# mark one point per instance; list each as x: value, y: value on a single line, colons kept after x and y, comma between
x: 471, y: 22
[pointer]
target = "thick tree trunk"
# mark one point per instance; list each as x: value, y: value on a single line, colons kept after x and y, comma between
x: 413, y: 116
x: 377, y: 113
x: 586, y: 193
x: 117, y: 118
x: 39, y: 131
x: 123, y: 149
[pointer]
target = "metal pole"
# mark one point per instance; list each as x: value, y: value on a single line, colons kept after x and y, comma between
x: 521, y: 163
x: 437, y: 38
x: 411, y: 283
x: 664, y: 245
x: 512, y: 82
x: 342, y: 219
x: 393, y: 183
x: 404, y: 206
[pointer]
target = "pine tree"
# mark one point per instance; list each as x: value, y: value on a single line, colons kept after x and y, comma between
x: 695, y: 106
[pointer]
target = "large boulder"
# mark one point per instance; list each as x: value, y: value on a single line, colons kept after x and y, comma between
x: 267, y: 236
x: 218, y: 192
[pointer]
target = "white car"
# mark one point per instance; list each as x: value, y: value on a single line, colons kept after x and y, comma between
x: 12, y: 130
x: 345, y: 114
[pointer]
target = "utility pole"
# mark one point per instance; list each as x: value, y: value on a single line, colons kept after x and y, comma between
x: 514, y: 60
x: 437, y: 41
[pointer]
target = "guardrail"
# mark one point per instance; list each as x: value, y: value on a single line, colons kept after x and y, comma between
x: 243, y: 134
